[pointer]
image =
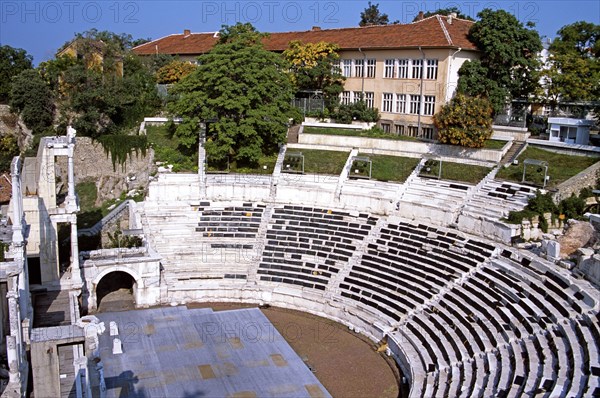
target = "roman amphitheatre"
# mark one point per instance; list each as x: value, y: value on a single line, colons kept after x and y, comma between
x: 413, y: 288
x: 355, y: 262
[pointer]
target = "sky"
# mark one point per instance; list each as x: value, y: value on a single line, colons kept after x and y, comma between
x: 41, y: 27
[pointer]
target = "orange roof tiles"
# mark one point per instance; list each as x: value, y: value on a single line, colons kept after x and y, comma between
x: 435, y: 31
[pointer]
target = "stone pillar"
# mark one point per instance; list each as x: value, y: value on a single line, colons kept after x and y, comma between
x: 14, y: 340
x: 202, y: 160
x: 75, y: 270
x: 17, y: 196
x: 71, y: 200
x: 13, y: 360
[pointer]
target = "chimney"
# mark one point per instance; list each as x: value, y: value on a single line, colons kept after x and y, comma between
x: 186, y: 32
x: 450, y: 18
x: 420, y: 16
x: 316, y: 28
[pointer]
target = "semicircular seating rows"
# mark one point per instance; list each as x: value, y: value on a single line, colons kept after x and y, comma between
x: 463, y: 316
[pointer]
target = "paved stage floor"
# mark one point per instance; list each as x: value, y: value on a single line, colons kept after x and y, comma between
x: 180, y: 352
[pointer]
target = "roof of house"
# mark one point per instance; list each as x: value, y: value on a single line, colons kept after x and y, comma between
x: 433, y: 32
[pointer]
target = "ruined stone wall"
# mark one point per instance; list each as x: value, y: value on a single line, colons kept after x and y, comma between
x: 92, y: 163
x: 587, y: 178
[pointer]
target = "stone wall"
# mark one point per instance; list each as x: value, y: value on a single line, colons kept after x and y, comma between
x: 14, y: 125
x: 400, y: 147
x: 589, y: 264
x: 93, y: 164
x: 587, y: 178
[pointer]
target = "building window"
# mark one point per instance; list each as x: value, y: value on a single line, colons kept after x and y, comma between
x: 359, y: 65
x: 388, y: 101
x: 401, y: 103
x: 427, y: 132
x: 388, y: 70
x: 357, y: 96
x: 432, y: 69
x: 347, y: 68
x: 403, y: 69
x: 336, y: 67
x: 399, y: 129
x: 415, y: 104
x: 386, y: 127
x: 417, y: 68
x: 413, y: 131
x: 371, y: 67
x: 429, y: 105
x: 346, y: 97
x: 369, y: 99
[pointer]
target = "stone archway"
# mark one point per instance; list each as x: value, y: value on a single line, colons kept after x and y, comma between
x: 120, y: 286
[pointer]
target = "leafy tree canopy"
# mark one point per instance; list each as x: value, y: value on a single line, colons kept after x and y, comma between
x: 174, y: 71
x: 372, y: 16
x: 313, y: 67
x: 445, y: 11
x: 31, y: 96
x: 244, y: 89
x: 464, y: 121
x: 573, y: 72
x: 509, y: 62
x: 12, y: 62
x: 582, y: 38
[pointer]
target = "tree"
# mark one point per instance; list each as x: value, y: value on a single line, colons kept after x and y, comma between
x: 509, y: 59
x: 12, y: 62
x: 9, y: 148
x: 174, y: 71
x: 98, y: 103
x: 30, y: 96
x: 313, y: 67
x: 247, y: 92
x: 372, y: 16
x: 573, y: 68
x: 464, y: 121
x: 445, y: 11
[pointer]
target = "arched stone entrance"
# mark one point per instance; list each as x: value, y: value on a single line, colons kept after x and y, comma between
x: 120, y: 286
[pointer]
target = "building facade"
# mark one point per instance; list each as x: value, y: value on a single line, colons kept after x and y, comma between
x: 405, y: 71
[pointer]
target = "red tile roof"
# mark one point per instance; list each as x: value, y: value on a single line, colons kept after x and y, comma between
x: 433, y: 32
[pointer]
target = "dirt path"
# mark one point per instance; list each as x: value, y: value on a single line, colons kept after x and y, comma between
x: 347, y: 364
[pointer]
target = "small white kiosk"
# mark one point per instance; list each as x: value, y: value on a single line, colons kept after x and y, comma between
x: 569, y: 130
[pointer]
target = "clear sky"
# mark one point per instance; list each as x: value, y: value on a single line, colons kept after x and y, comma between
x: 41, y: 27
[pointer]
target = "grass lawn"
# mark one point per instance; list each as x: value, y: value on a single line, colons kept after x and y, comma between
x: 561, y: 167
x: 457, y: 172
x: 355, y: 133
x: 167, y: 149
x: 268, y: 161
x: 324, y: 162
x: 494, y: 144
x: 87, y: 194
x: 391, y: 168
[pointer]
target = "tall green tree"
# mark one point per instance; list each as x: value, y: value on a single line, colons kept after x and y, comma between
x: 445, y: 11
x: 508, y: 68
x: 372, y: 16
x: 245, y: 89
x: 31, y: 97
x: 12, y: 62
x: 573, y: 68
x: 464, y: 121
x: 313, y: 67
